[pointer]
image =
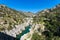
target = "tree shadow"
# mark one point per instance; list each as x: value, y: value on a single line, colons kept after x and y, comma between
x: 4, y: 36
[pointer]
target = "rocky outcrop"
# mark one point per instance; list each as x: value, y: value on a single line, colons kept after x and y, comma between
x: 18, y: 28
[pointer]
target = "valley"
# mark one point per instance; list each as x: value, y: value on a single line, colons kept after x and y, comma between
x: 44, y: 25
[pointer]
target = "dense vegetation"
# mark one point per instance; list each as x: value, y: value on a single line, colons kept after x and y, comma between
x: 51, y: 18
x: 35, y: 36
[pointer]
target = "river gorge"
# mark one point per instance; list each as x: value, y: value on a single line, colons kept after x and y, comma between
x: 23, y: 32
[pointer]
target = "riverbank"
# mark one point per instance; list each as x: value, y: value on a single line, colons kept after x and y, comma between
x: 24, y: 32
x: 18, y: 28
x: 38, y: 28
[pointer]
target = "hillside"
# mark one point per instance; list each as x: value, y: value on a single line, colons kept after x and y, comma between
x: 9, y: 18
x: 51, y: 20
x: 29, y: 14
x: 45, y: 25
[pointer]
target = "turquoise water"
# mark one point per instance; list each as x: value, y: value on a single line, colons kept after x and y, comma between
x: 23, y: 32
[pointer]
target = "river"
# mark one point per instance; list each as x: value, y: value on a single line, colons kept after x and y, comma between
x: 23, y: 32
